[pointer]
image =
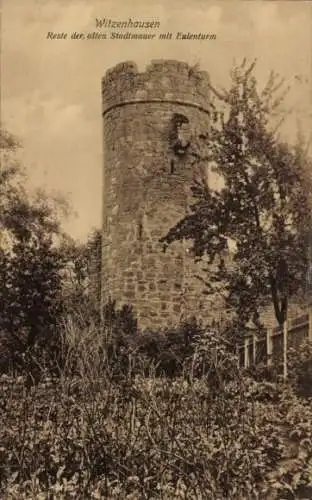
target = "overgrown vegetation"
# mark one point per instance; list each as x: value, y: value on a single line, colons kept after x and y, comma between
x: 43, y: 272
x: 91, y: 408
x: 211, y: 432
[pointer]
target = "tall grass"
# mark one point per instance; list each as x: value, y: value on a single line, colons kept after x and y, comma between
x: 106, y: 430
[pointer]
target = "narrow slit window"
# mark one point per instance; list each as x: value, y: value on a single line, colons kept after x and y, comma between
x: 140, y: 230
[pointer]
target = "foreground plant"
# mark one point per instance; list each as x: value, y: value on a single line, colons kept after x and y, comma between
x: 215, y: 435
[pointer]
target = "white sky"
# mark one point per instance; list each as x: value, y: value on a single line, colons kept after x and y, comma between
x: 51, y: 89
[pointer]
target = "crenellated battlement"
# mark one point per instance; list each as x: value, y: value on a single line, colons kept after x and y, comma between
x: 124, y: 68
x: 163, y: 80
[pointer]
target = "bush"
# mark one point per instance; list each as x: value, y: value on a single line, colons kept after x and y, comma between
x: 214, y: 357
x: 154, y: 438
x: 169, y: 349
x: 211, y: 432
x: 300, y: 368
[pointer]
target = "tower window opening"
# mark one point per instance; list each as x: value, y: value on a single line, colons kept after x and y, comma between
x: 179, y: 119
x: 180, y: 134
x: 172, y: 167
x: 140, y: 230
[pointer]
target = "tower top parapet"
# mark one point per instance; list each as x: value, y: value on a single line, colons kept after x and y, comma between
x: 163, y: 80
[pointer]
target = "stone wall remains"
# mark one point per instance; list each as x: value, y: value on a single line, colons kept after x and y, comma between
x: 147, y: 189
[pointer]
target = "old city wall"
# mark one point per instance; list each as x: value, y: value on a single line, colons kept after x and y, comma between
x: 147, y: 188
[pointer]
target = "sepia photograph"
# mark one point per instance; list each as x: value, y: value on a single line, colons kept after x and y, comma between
x: 156, y: 250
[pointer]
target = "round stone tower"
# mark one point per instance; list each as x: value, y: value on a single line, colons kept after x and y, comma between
x: 150, y: 120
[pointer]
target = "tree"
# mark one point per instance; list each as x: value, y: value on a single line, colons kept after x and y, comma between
x: 263, y: 208
x: 82, y: 277
x: 31, y: 257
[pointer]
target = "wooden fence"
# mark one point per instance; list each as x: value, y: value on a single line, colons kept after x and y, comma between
x: 268, y: 347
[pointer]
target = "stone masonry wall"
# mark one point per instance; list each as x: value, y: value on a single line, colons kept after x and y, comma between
x: 147, y: 189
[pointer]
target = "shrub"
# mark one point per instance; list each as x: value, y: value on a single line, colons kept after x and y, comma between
x: 214, y: 434
x: 300, y: 368
x: 169, y: 349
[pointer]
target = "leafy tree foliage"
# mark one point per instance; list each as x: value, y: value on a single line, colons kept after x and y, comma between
x: 35, y: 257
x: 263, y: 208
x: 29, y: 258
x: 81, y: 277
